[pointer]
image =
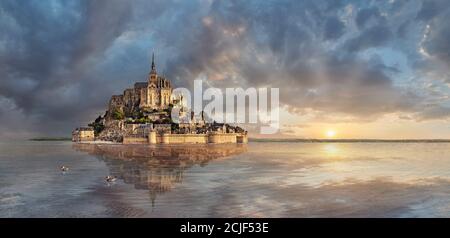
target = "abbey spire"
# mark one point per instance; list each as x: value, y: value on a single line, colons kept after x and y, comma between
x: 153, y: 71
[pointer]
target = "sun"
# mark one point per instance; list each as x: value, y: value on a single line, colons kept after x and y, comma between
x: 331, y: 133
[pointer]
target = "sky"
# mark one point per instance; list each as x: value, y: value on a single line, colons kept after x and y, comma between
x: 361, y: 69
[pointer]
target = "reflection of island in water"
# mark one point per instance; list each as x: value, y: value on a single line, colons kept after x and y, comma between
x: 157, y: 169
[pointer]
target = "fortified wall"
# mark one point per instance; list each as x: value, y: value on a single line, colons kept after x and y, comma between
x: 165, y: 138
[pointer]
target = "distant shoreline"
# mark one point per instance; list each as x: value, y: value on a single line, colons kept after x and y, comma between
x: 51, y: 139
x: 352, y: 140
x: 279, y: 140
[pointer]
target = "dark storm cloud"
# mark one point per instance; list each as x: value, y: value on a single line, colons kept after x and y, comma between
x: 435, y: 49
x: 372, y: 37
x: 289, y: 56
x: 367, y: 15
x: 46, y: 48
x: 431, y: 8
x: 334, y: 28
x: 61, y: 60
x: 435, y: 14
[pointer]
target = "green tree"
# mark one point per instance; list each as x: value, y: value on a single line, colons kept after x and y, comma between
x: 118, y: 115
x: 98, y: 127
x: 175, y: 126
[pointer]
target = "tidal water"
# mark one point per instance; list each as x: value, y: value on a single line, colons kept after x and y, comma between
x: 260, y: 179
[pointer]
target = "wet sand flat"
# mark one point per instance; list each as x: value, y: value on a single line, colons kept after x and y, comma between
x: 261, y: 179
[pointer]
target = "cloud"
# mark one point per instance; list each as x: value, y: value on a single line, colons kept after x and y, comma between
x: 431, y: 8
x: 286, y: 53
x: 435, y: 41
x: 367, y: 15
x: 433, y: 112
x: 47, y: 53
x: 334, y: 28
x: 372, y: 37
x: 60, y: 60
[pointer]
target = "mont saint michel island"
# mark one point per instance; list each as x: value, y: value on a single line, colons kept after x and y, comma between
x: 142, y: 115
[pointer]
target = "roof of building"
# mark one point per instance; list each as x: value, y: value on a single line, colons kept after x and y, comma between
x: 141, y: 85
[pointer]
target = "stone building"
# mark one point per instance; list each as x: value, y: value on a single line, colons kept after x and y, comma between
x: 142, y: 115
x: 155, y: 94
x: 83, y: 134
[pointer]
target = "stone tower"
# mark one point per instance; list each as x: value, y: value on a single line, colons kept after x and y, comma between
x: 158, y: 91
x: 153, y: 76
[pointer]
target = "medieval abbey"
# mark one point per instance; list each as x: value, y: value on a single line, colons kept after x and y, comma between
x: 156, y: 92
x: 142, y: 115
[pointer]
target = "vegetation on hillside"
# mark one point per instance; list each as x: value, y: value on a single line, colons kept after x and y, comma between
x: 97, y: 125
x: 118, y: 115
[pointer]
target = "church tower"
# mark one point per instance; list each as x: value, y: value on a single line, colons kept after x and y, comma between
x: 153, y: 75
x: 152, y: 93
x: 156, y: 94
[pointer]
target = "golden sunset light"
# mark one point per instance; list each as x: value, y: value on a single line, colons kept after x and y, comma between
x: 330, y: 134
